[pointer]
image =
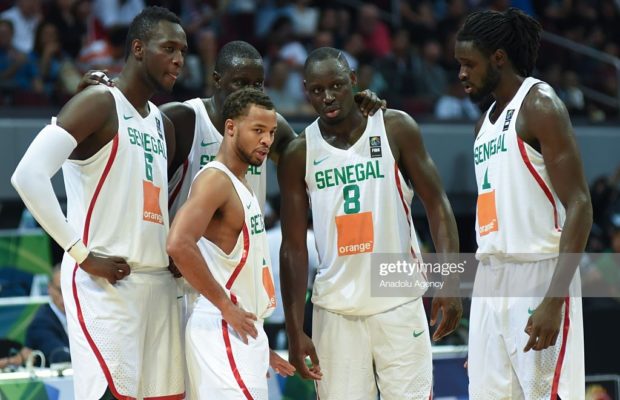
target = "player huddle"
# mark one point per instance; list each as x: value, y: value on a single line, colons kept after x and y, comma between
x: 129, y: 168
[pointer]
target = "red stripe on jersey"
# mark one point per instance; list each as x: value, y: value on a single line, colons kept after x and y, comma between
x: 89, y: 214
x: 244, y: 257
x: 539, y: 180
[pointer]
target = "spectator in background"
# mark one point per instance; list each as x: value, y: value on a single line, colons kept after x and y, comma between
x: 283, y: 45
x: 375, y: 32
x: 267, y: 15
x: 369, y: 78
x: 455, y: 104
x: 25, y: 15
x: 48, y: 330
x: 305, y: 19
x: 13, y: 354
x: 116, y: 12
x: 338, y: 22
x: 397, y: 68
x: 325, y: 38
x: 53, y: 66
x: 419, y: 18
x: 71, y: 29
x: 571, y: 93
x: 16, y: 70
x: 289, y: 99
x: 201, y: 26
x: 106, y: 54
x: 431, y: 78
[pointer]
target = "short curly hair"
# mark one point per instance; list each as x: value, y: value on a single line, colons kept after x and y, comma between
x: 237, y: 103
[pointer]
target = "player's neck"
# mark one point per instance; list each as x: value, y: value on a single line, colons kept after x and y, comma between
x: 506, y: 90
x: 237, y: 166
x: 346, y: 129
x: 214, y: 110
x: 137, y: 94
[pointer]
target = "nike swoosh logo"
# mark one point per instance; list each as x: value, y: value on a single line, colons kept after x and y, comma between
x: 249, y: 205
x: 203, y: 144
x: 416, y: 334
x: 317, y: 162
x: 530, y: 311
x: 126, y: 117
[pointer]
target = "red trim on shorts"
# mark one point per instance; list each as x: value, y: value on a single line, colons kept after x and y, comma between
x: 177, y: 189
x: 170, y: 397
x: 558, y: 366
x: 233, y: 364
x: 539, y: 180
x: 244, y: 257
x: 233, y: 298
x: 89, y: 214
x: 404, y: 203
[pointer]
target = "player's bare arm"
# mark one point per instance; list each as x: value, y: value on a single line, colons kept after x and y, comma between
x: 91, y: 119
x: 211, y: 193
x: 294, y: 255
x: 84, y: 125
x: 184, y: 120
x: 545, y: 125
x: 284, y: 135
x: 418, y: 168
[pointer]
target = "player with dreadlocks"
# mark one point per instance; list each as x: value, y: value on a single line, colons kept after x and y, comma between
x: 533, y: 210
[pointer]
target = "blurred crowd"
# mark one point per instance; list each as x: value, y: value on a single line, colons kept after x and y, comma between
x: 404, y: 55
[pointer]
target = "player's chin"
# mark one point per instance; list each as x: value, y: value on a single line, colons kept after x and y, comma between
x: 257, y: 161
x: 259, y: 158
x: 166, y: 87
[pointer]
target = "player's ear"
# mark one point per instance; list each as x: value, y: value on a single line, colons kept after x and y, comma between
x: 353, y: 77
x: 137, y: 48
x: 216, y: 79
x: 499, y: 57
x: 229, y: 127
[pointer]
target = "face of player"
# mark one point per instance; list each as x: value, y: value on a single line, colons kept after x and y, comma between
x: 254, y: 134
x: 242, y: 73
x: 164, y: 55
x: 329, y: 86
x: 477, y: 72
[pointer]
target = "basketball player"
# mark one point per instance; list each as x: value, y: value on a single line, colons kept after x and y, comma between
x: 199, y: 125
x: 218, y: 242
x: 362, y: 342
x: 114, y: 146
x: 533, y: 206
x: 200, y: 128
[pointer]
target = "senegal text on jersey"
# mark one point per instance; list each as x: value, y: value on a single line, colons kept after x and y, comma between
x: 488, y: 149
x: 149, y: 143
x: 348, y: 174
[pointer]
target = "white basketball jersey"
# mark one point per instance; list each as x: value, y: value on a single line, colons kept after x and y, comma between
x: 518, y: 215
x: 207, y: 141
x: 118, y: 197
x: 245, y: 272
x: 360, y: 206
